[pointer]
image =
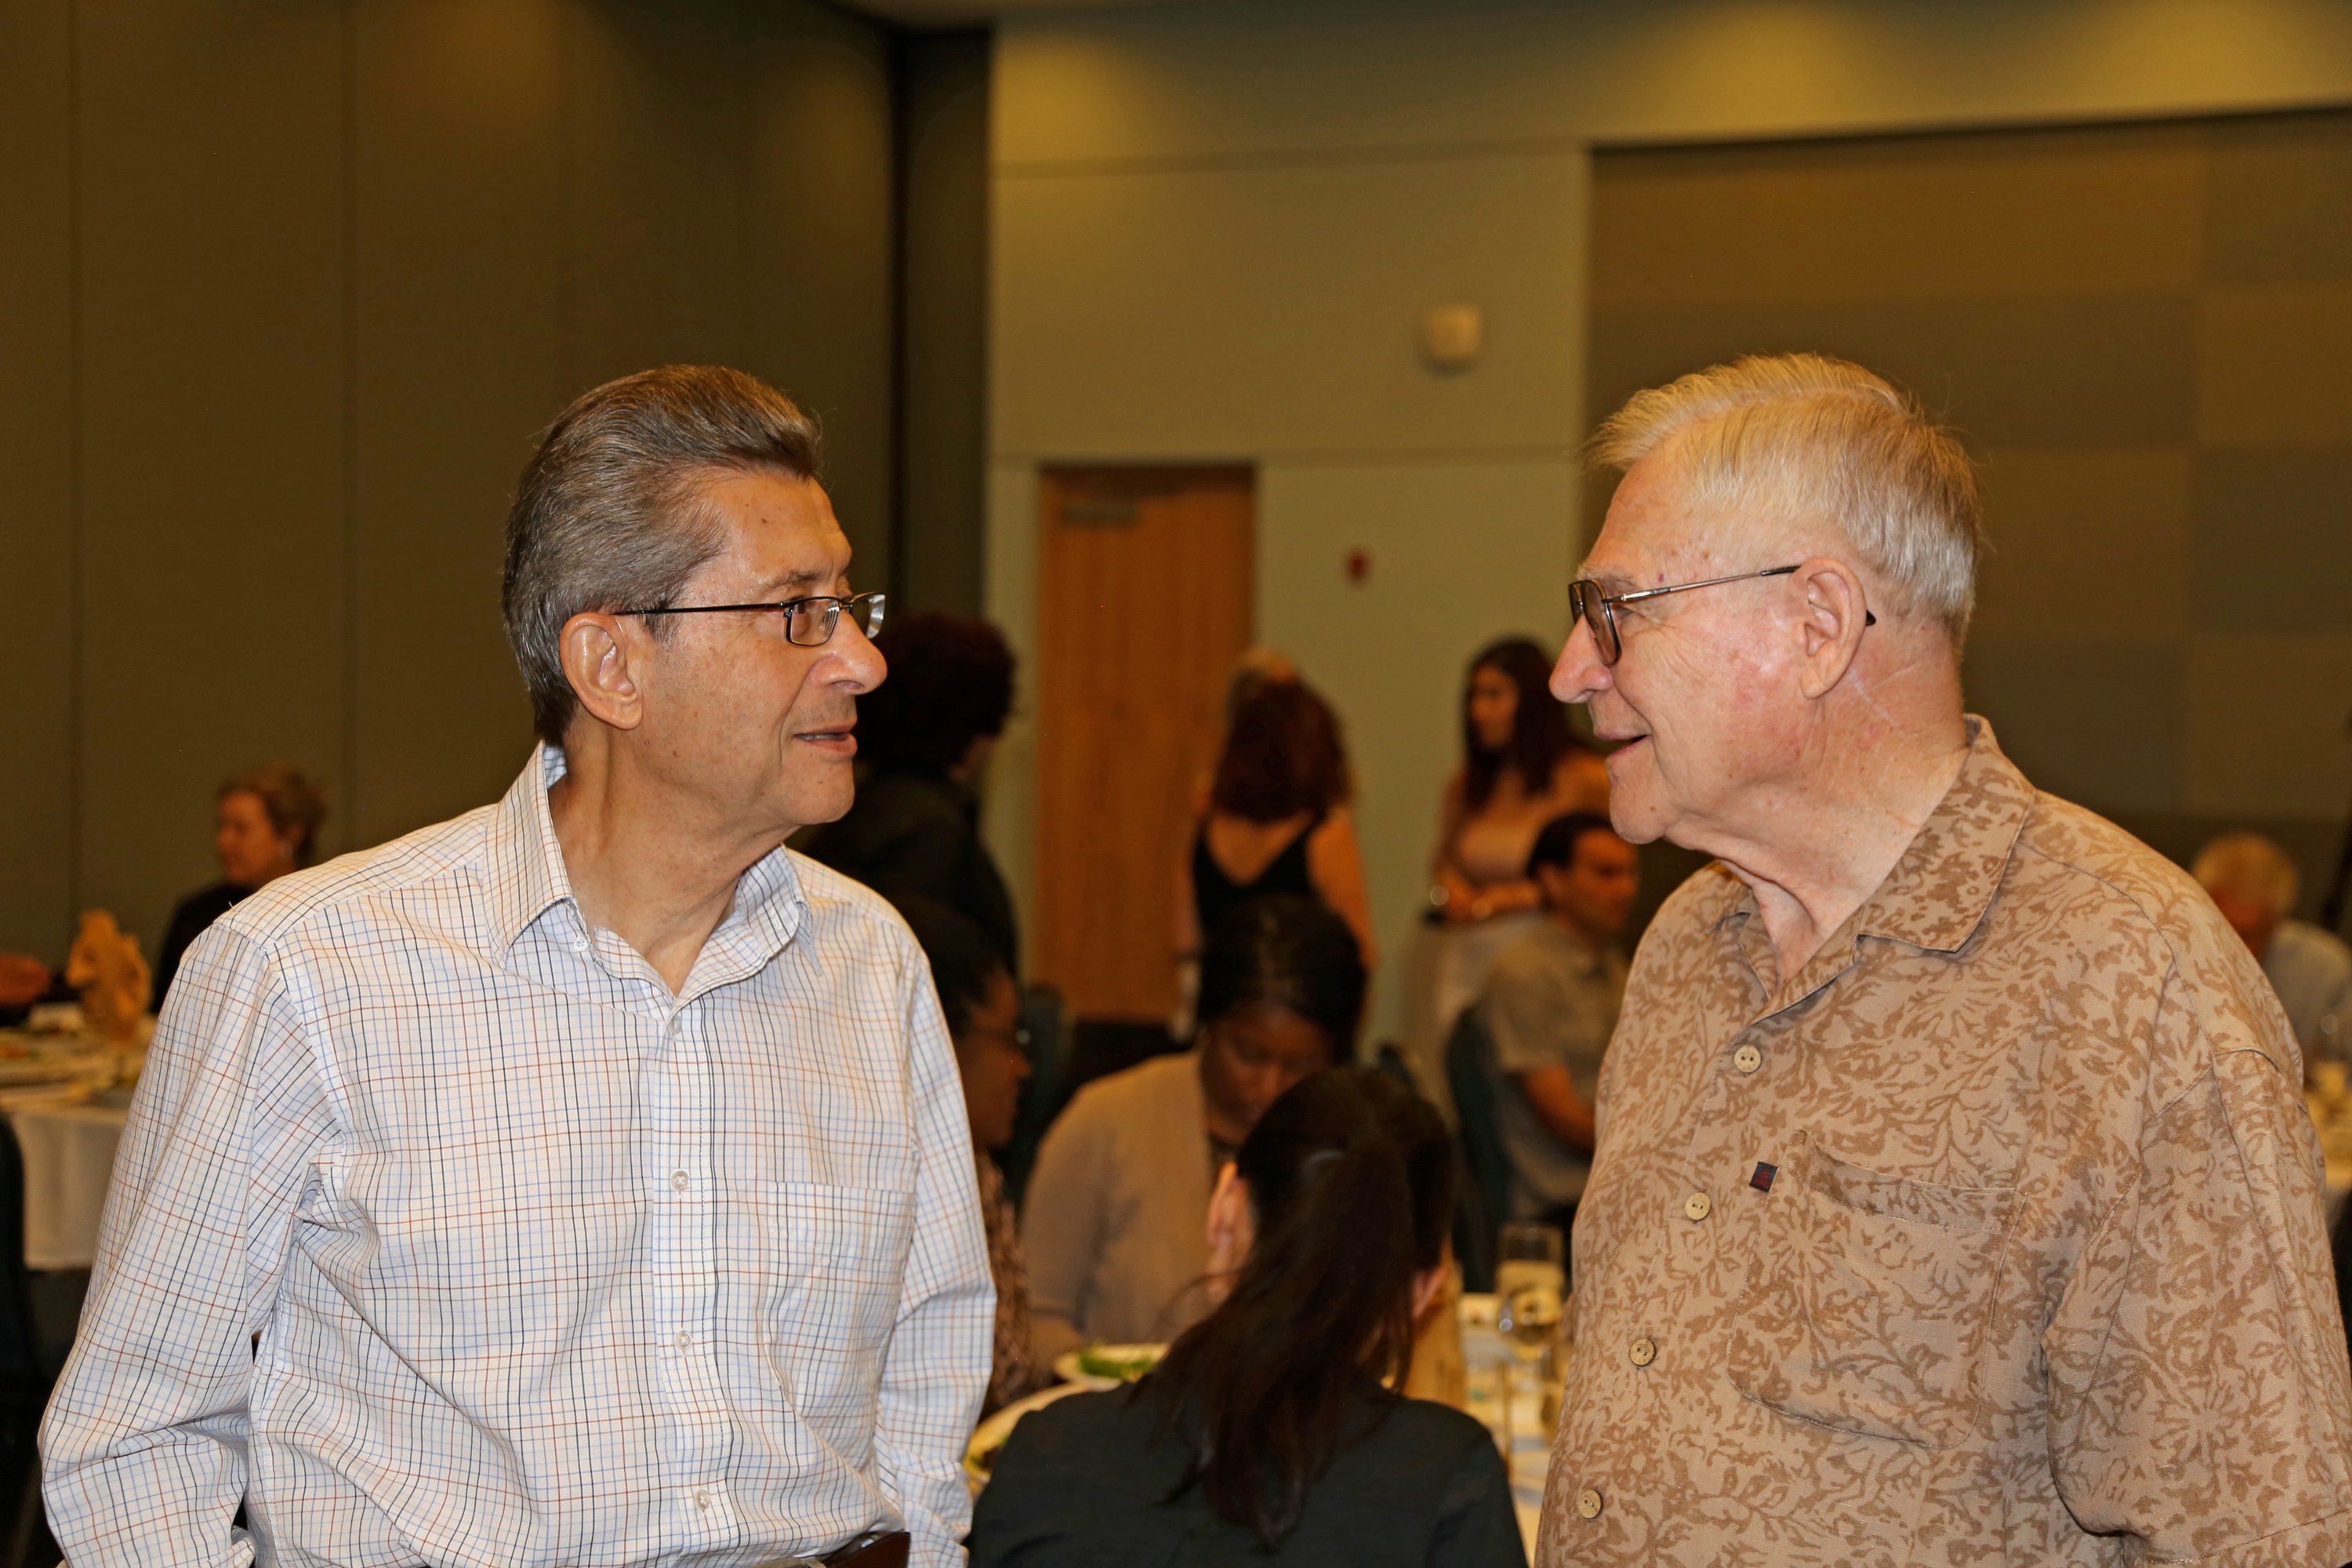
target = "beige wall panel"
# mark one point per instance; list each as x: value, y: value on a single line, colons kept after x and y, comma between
x: 2275, y: 366
x: 36, y: 501
x: 459, y: 358
x: 1008, y: 794
x: 1225, y: 81
x: 818, y: 227
x: 1903, y: 219
x: 1491, y: 544
x: 2117, y: 371
x: 213, y: 460
x: 2098, y: 724
x: 2087, y: 547
x: 2281, y: 210
x: 2266, y: 732
x: 1258, y: 310
x: 657, y: 126
x: 2274, y: 540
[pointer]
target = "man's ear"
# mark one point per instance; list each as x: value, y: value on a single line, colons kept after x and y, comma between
x: 597, y: 649
x: 1833, y: 614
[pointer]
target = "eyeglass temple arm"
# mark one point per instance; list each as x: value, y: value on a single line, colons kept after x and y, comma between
x: 1869, y: 618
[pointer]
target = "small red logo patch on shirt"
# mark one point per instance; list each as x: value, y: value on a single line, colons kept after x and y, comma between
x: 1762, y: 1180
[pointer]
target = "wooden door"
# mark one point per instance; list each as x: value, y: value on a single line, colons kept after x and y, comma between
x: 1144, y: 605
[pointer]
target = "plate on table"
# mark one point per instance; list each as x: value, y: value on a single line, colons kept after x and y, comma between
x: 1100, y: 1366
x: 988, y: 1437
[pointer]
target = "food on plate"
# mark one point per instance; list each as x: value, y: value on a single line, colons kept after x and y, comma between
x: 1123, y: 1364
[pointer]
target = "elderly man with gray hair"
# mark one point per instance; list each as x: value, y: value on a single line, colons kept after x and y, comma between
x: 585, y: 1181
x: 1954, y: 1199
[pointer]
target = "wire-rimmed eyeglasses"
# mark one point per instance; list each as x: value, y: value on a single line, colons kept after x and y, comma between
x: 1598, y: 610
x: 808, y: 623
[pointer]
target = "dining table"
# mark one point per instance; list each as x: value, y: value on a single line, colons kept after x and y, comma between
x: 67, y: 1096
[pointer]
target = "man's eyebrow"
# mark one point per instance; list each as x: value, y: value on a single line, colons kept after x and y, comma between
x: 796, y: 583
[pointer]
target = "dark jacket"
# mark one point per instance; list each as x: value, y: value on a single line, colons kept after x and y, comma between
x: 1082, y: 1482
x: 912, y: 833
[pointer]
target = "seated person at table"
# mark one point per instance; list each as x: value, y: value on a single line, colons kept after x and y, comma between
x: 1112, y: 1229
x: 1267, y: 1434
x: 982, y: 1008
x: 2254, y: 884
x: 265, y: 824
x: 1550, y: 1004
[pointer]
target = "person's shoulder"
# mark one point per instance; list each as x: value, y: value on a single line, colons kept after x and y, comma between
x: 843, y: 910
x: 447, y: 851
x: 2313, y: 947
x: 1434, y: 1428
x: 1145, y: 1086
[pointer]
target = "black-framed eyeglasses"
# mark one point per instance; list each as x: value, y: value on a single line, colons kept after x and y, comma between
x: 808, y: 623
x: 1598, y: 610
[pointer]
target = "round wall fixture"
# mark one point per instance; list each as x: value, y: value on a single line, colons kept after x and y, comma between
x: 1453, y: 336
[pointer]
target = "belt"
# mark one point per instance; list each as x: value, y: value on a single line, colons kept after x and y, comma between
x: 867, y: 1552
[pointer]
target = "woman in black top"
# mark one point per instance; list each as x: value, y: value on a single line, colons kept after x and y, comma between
x: 1266, y: 1435
x: 266, y: 824
x: 1276, y: 818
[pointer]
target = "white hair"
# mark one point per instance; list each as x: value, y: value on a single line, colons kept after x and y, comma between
x: 1808, y: 436
x: 2248, y: 866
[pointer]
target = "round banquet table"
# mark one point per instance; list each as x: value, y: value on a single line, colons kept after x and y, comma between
x: 68, y: 1146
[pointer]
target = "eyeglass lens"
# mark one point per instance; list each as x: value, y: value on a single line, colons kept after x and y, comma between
x: 1591, y: 603
x: 813, y: 620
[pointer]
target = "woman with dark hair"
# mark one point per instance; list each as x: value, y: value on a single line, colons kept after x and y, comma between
x: 924, y: 738
x: 264, y: 824
x: 1267, y: 1434
x: 1521, y: 767
x: 1112, y: 1230
x: 1277, y: 819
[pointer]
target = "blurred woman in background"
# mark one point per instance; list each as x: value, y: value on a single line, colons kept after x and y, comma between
x: 1277, y: 819
x: 264, y: 824
x: 1113, y: 1227
x: 1521, y: 766
x: 983, y: 1009
x: 924, y: 738
x: 1266, y: 1435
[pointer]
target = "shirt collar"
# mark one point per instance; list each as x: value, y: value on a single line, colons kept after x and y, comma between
x: 1940, y: 888
x: 528, y: 876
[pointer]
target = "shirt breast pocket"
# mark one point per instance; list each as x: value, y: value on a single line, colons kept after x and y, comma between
x: 1869, y: 1299
x: 841, y: 1266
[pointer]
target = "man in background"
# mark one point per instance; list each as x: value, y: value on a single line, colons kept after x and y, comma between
x: 584, y: 1179
x: 2254, y: 886
x: 1550, y: 1004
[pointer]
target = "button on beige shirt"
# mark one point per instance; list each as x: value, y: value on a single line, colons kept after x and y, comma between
x: 2012, y: 1250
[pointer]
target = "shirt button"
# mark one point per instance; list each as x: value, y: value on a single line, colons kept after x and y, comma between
x: 1588, y: 1503
x: 1698, y: 1205
x: 679, y: 1179
x: 702, y: 1500
x: 684, y: 1339
x: 1747, y: 1058
x: 1645, y: 1351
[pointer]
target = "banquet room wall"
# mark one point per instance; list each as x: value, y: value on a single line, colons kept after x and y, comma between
x: 286, y: 289
x: 1218, y: 226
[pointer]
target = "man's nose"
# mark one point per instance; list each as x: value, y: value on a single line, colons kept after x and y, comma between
x: 1579, y: 674
x: 862, y: 666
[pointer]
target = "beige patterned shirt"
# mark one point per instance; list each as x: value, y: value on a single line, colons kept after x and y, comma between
x: 1993, y: 1237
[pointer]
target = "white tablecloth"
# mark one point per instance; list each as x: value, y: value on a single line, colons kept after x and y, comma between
x: 68, y: 1156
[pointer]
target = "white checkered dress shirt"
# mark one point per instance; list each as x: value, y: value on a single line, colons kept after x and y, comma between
x: 545, y: 1266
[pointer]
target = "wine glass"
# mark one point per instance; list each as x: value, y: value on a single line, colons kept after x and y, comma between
x: 1530, y: 1282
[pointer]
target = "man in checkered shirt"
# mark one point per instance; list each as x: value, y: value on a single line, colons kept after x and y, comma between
x: 585, y: 1181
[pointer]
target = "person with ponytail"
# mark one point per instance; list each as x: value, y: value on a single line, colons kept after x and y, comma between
x: 1270, y: 1432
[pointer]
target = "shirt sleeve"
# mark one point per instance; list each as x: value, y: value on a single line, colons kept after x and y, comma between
x: 937, y: 1369
x: 1061, y: 1231
x: 143, y: 1448
x: 1529, y: 1012
x: 2199, y: 1396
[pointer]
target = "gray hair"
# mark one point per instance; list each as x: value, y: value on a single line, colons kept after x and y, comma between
x: 2247, y: 865
x: 1804, y: 436
x: 610, y: 513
